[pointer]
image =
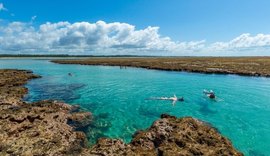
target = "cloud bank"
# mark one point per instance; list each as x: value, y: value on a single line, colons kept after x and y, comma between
x: 116, y: 38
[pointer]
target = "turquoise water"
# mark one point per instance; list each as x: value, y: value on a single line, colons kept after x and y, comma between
x: 118, y: 99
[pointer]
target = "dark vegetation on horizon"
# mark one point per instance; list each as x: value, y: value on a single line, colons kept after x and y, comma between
x: 66, y: 55
x: 141, y: 56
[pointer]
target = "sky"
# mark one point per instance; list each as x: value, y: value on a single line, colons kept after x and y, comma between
x: 136, y: 27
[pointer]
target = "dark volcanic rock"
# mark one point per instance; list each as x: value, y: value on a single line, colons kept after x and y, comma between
x: 170, y: 136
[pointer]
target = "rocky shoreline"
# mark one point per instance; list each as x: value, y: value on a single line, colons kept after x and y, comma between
x: 38, y: 128
x: 245, y: 66
x: 50, y: 128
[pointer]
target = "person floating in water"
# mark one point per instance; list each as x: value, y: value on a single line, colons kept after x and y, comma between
x: 174, y: 99
x: 209, y: 94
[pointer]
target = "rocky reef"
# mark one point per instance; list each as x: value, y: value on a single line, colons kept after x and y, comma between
x: 40, y: 128
x: 50, y: 128
x: 247, y: 66
x: 170, y: 136
x: 11, y: 81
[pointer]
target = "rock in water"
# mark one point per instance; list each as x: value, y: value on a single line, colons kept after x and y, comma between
x: 170, y: 136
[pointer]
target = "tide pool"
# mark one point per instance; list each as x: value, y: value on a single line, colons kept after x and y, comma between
x: 119, y: 99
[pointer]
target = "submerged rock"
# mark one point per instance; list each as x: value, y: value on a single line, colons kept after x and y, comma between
x: 80, y: 119
x: 97, y: 128
x: 170, y: 136
x: 63, y: 92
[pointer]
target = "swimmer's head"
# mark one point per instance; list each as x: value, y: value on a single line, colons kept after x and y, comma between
x: 212, y: 96
x: 180, y: 99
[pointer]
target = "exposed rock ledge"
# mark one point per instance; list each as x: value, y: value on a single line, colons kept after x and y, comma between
x: 170, y: 136
x: 247, y: 66
x: 37, y: 128
x: 49, y: 128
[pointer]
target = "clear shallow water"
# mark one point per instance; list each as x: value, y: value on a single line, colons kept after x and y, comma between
x: 118, y: 99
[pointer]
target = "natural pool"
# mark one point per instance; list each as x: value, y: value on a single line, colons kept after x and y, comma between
x: 118, y: 99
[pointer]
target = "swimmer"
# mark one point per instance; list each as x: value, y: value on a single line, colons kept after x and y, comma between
x: 209, y: 94
x: 174, y: 99
x: 69, y: 74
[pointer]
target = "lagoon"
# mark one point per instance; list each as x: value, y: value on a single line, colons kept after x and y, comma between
x: 119, y: 99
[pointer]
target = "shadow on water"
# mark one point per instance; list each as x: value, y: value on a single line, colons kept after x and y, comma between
x: 153, y: 111
x: 63, y: 92
x: 205, y: 109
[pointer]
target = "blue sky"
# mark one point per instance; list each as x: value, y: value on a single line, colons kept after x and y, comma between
x: 206, y: 22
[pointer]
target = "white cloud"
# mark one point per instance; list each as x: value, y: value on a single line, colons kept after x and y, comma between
x: 99, y: 37
x: 2, y: 8
x: 244, y: 44
x: 244, y: 41
x: 115, y: 38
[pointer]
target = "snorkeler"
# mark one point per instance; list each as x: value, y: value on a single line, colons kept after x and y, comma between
x: 209, y: 94
x: 174, y: 99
